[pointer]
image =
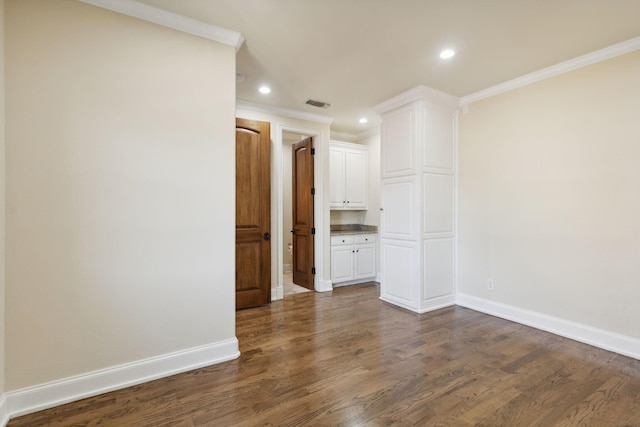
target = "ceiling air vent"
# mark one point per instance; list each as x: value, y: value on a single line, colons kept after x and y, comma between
x: 318, y: 104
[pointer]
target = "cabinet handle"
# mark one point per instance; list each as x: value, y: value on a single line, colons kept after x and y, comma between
x: 347, y: 201
x: 357, y: 250
x: 353, y: 252
x: 344, y: 201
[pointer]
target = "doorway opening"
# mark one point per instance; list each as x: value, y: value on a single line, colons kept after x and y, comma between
x: 298, y: 230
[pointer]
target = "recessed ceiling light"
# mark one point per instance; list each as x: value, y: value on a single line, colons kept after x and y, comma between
x: 447, y: 53
x: 265, y: 89
x: 363, y: 120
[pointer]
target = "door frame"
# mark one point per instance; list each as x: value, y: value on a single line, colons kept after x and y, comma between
x: 320, y: 283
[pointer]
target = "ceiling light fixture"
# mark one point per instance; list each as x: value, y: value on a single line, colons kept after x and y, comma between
x: 265, y: 89
x: 363, y: 120
x: 447, y: 53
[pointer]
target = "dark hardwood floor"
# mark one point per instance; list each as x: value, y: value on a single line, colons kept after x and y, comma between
x: 347, y: 359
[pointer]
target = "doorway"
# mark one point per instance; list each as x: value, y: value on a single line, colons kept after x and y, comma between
x: 298, y: 230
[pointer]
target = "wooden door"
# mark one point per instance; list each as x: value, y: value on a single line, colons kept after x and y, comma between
x: 253, y: 214
x: 302, y: 216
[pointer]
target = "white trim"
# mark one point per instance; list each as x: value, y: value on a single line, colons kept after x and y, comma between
x: 355, y: 282
x: 379, y: 277
x: 171, y: 20
x: 368, y: 133
x: 398, y: 303
x: 344, y: 136
x: 4, y: 411
x: 555, y: 70
x: 437, y: 303
x: 428, y: 95
x: 352, y: 137
x: 323, y: 285
x: 277, y: 293
x: 294, y: 114
x: 319, y: 141
x: 610, y: 341
x: 456, y: 166
x: 32, y: 399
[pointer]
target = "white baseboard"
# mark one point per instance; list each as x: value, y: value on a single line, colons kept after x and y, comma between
x: 277, y: 293
x: 286, y: 268
x: 4, y: 411
x: 379, y: 277
x: 432, y: 305
x: 437, y: 303
x: 606, y: 340
x: 354, y: 282
x: 33, y: 399
x: 323, y: 285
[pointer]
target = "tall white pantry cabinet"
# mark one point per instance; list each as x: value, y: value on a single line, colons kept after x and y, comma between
x: 417, y: 226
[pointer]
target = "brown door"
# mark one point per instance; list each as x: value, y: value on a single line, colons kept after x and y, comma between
x: 253, y: 214
x: 302, y: 216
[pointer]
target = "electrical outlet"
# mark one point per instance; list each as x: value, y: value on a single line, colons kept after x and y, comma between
x: 491, y: 284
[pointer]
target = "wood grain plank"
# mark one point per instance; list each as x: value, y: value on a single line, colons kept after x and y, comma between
x: 345, y: 358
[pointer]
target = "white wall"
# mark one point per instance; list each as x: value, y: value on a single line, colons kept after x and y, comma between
x: 347, y: 217
x: 286, y: 202
x: 372, y: 215
x: 548, y: 197
x: 3, y: 184
x: 120, y: 216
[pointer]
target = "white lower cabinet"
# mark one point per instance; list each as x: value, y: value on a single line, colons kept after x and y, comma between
x: 353, y: 258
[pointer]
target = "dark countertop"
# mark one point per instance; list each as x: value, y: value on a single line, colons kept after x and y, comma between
x: 340, y: 229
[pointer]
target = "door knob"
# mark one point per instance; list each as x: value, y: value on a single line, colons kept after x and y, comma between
x: 267, y: 236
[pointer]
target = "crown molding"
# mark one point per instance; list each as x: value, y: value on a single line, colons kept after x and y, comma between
x: 555, y: 70
x: 368, y: 133
x: 294, y: 114
x: 171, y: 20
x: 343, y: 136
x: 422, y: 93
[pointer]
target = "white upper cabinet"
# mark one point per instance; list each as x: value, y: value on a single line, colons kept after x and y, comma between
x: 348, y: 176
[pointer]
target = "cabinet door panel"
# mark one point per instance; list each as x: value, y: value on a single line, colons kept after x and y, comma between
x: 398, y: 199
x: 356, y: 166
x: 398, y: 143
x: 341, y: 263
x: 365, y: 261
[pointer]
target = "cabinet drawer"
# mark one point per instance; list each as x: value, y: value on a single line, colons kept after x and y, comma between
x: 342, y: 240
x: 365, y: 238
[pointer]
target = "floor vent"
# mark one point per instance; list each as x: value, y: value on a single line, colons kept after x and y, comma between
x: 318, y: 104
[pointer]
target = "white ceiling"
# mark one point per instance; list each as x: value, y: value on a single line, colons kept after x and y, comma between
x: 355, y: 54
